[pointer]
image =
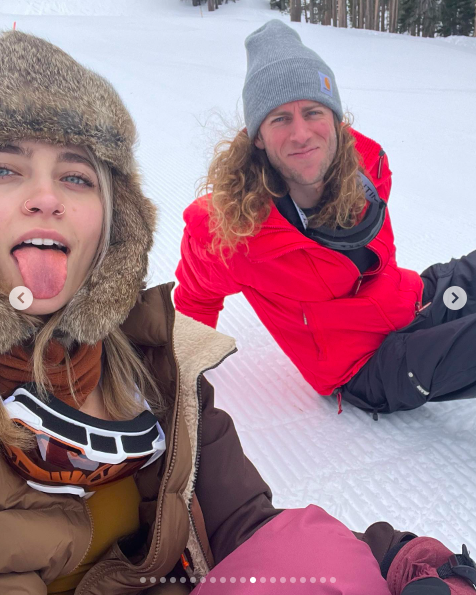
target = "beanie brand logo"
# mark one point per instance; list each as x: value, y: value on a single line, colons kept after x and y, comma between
x: 326, y: 84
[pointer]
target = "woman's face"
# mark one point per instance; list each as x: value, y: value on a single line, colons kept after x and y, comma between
x: 47, y: 192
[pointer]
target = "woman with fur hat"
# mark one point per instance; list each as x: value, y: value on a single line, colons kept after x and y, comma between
x: 117, y: 474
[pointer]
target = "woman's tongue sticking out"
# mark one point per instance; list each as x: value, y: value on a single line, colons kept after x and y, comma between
x: 44, y: 270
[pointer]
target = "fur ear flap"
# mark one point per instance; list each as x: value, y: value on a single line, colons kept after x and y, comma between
x: 15, y: 328
x: 104, y: 303
x: 10, y: 433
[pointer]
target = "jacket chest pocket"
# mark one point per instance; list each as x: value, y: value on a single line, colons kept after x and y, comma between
x: 313, y: 329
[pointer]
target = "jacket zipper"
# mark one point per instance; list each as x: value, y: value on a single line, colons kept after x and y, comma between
x: 380, y: 163
x: 197, y: 459
x: 119, y: 564
x: 358, y: 284
x: 305, y: 246
x: 91, y: 522
x: 113, y: 565
x: 174, y: 458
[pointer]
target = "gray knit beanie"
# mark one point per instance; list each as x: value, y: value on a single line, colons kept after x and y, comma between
x: 281, y: 69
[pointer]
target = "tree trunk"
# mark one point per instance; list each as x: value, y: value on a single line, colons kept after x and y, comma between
x: 474, y: 30
x: 327, y: 12
x: 382, y: 17
x: 376, y: 19
x: 361, y: 14
x: 342, y: 13
x: 354, y: 14
x: 391, y: 18
x: 313, y: 11
x: 368, y: 14
x: 334, y: 13
x: 296, y: 11
x: 211, y: 5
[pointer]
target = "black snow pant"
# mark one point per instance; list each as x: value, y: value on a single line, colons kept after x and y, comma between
x: 431, y: 359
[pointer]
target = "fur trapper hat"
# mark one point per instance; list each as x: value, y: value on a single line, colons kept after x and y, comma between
x: 46, y: 95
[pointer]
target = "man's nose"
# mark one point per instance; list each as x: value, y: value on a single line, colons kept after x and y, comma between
x: 300, y: 132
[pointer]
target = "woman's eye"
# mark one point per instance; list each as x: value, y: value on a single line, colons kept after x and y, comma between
x: 5, y: 172
x: 79, y: 180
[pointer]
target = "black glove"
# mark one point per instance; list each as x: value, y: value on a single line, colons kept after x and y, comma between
x: 427, y: 586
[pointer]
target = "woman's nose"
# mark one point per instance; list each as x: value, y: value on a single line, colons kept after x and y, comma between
x: 43, y: 200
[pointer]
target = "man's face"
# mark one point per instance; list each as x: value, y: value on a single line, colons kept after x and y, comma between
x: 300, y: 141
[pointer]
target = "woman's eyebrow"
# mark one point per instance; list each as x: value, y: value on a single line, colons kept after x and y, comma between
x: 71, y: 157
x: 15, y: 150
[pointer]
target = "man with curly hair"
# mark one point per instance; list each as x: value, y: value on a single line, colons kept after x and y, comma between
x: 295, y: 217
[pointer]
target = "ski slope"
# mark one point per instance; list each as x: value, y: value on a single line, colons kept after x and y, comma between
x: 181, y: 75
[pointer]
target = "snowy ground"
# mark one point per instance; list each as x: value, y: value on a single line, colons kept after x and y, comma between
x: 181, y: 75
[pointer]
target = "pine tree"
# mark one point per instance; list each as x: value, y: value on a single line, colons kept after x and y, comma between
x: 408, y: 15
x: 457, y: 17
x: 430, y: 11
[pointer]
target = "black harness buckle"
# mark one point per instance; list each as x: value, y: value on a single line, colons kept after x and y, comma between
x: 459, y: 565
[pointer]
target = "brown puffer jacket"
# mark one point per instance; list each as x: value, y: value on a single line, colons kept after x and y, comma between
x: 48, y: 536
x: 204, y: 498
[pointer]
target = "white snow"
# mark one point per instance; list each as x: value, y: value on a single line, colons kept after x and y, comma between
x: 180, y: 71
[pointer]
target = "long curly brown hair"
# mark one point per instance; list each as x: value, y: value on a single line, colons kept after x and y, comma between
x: 242, y: 182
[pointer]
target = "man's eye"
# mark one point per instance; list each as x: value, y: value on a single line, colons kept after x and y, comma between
x: 314, y: 112
x: 5, y: 172
x: 280, y: 119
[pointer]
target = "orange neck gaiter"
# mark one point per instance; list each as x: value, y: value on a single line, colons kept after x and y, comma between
x: 85, y: 363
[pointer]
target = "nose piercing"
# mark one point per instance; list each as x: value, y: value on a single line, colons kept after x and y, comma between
x: 62, y: 212
x: 29, y: 210
x: 57, y: 213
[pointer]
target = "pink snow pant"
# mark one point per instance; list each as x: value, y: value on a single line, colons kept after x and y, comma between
x: 302, y: 551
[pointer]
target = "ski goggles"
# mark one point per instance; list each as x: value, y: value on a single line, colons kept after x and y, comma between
x: 358, y: 236
x: 75, y: 452
x: 361, y: 234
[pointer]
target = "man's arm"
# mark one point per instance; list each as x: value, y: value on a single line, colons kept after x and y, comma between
x: 204, y: 282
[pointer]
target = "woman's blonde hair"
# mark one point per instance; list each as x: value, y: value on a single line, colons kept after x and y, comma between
x: 123, y: 373
x: 242, y: 182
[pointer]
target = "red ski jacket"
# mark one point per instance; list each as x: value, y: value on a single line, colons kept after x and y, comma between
x: 327, y: 317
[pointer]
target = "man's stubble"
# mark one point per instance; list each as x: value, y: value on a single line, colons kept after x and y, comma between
x: 294, y: 175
